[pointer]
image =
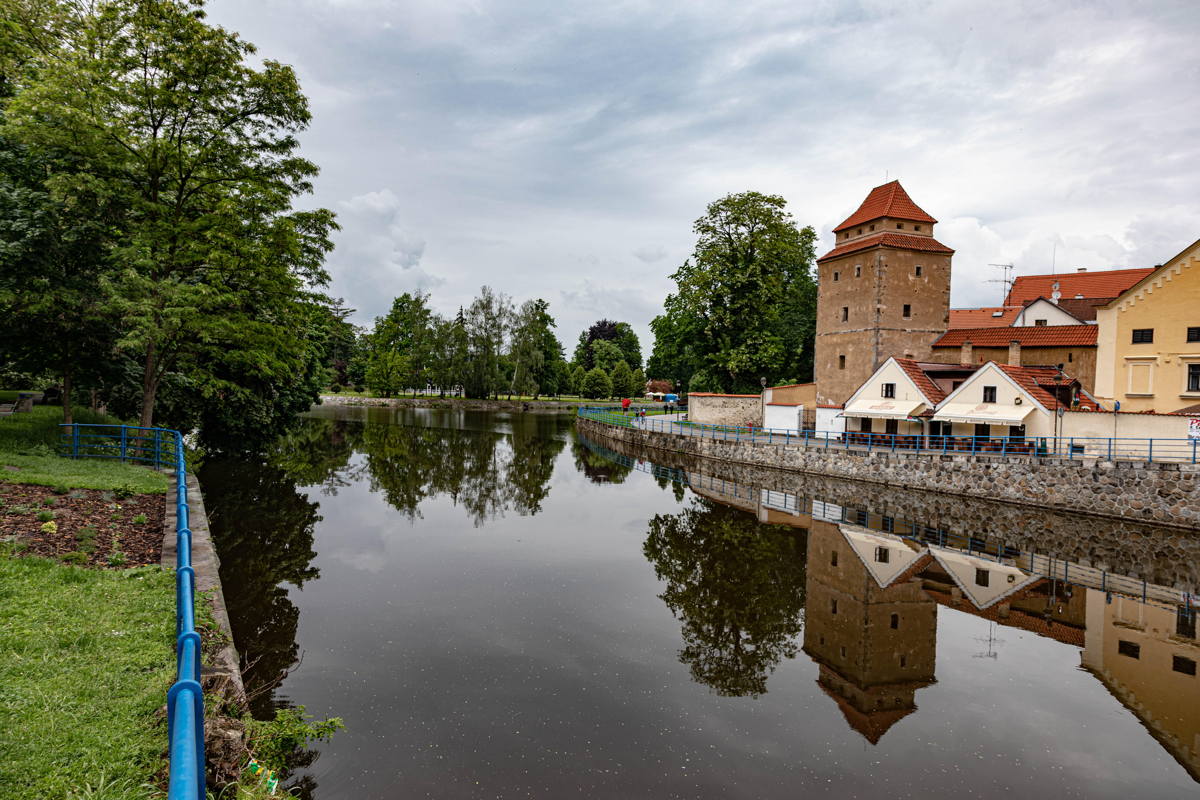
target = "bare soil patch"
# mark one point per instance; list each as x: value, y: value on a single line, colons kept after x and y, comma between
x: 90, y: 526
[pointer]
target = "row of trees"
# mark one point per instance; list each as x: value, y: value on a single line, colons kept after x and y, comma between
x: 745, y: 304
x: 490, y: 348
x: 150, y: 253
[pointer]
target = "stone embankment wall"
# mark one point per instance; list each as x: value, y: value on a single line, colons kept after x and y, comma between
x: 725, y: 409
x: 461, y: 403
x: 1163, y: 494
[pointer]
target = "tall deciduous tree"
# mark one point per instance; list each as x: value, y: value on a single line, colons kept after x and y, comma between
x: 487, y: 320
x: 619, y: 334
x: 745, y: 302
x: 176, y: 123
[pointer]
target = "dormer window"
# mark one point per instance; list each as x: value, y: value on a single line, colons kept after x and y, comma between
x: 916, y: 227
x: 859, y: 231
x: 899, y: 226
x: 872, y: 227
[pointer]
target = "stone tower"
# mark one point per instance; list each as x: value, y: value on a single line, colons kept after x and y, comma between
x: 884, y: 290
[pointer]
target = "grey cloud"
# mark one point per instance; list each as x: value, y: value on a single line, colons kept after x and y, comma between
x: 650, y: 253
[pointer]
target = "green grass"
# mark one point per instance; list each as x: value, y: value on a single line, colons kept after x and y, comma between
x: 30, y: 442
x: 86, y: 658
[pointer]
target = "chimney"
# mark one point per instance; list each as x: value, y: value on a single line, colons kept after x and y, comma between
x: 1014, y: 353
x: 968, y: 353
x: 1081, y: 269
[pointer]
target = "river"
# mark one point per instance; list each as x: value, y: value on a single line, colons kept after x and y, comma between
x: 499, y: 608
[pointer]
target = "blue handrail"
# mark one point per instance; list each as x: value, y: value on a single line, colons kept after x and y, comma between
x: 1035, y: 446
x: 161, y: 447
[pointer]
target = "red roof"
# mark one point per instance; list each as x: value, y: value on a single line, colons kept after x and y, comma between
x: 988, y: 317
x: 1105, y: 283
x: 1028, y: 336
x: 915, y: 372
x: 1082, y: 308
x: 902, y: 241
x: 1033, y: 379
x: 889, y: 200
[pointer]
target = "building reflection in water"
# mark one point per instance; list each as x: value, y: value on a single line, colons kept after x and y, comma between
x: 872, y: 598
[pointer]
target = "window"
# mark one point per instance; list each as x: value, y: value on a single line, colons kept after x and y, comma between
x: 835, y: 277
x: 1184, y: 665
x: 833, y: 606
x: 1070, y: 357
x: 903, y: 663
x: 982, y: 430
x: 895, y: 621
x: 872, y: 227
x: 845, y: 313
x: 981, y: 577
x: 860, y: 517
x: 858, y: 270
x: 891, y: 426
x: 1193, y: 378
x: 1039, y: 323
x: 1129, y: 649
x: 899, y: 226
x: 1185, y: 622
x: 989, y: 394
x: 860, y: 231
x: 907, y: 311
x: 916, y: 227
x: 1193, y: 335
x: 888, y: 524
x: 1143, y: 335
x: 882, y: 555
x: 889, y: 390
x: 864, y: 424
x: 918, y: 269
x: 833, y: 559
x: 841, y: 362
x: 1016, y: 432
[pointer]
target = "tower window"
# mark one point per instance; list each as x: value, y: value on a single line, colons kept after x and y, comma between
x: 1184, y: 665
x: 858, y: 270
x: 845, y: 313
x: 841, y: 362
x: 918, y: 270
x: 982, y: 577
x: 907, y: 311
x: 835, y: 277
x: 895, y: 621
x: 1131, y: 649
x: 833, y: 606
x: 889, y: 390
x: 833, y: 559
x: 903, y: 663
x: 989, y: 394
x: 1143, y: 335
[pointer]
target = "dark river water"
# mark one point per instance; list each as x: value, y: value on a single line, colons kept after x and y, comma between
x: 498, y: 607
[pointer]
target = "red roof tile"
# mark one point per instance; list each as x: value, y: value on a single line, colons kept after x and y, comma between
x: 1105, y: 283
x: 913, y: 369
x: 1082, y: 308
x: 902, y: 241
x: 1028, y: 336
x: 889, y: 200
x: 1033, y: 379
x: 988, y: 317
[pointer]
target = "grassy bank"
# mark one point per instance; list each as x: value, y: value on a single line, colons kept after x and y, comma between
x: 29, y: 444
x: 86, y: 658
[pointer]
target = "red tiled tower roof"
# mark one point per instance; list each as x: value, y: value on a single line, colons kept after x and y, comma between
x: 1028, y: 336
x: 901, y: 240
x: 1106, y: 283
x: 889, y: 200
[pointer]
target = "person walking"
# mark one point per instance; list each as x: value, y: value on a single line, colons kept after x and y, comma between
x: 625, y: 405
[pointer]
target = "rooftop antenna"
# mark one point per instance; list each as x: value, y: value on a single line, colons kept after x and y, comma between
x: 1006, y: 279
x: 1054, y: 258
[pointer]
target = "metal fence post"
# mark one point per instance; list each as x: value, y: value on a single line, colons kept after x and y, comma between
x: 1150, y: 451
x: 123, y: 440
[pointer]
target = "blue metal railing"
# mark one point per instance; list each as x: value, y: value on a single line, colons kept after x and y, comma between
x: 1069, y: 447
x: 163, y: 447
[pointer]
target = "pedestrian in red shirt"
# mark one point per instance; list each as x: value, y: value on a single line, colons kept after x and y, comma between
x: 625, y: 405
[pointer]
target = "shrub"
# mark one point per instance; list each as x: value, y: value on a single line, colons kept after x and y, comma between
x: 277, y: 742
x: 140, y: 519
x: 45, y: 516
x: 124, y: 491
x: 116, y: 558
x: 335, y: 387
x: 50, y: 527
x: 74, y: 558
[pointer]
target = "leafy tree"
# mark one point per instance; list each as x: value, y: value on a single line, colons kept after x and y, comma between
x: 745, y: 302
x: 619, y: 333
x: 386, y: 372
x: 605, y: 355
x: 535, y: 350
x: 622, y: 380
x: 738, y: 588
x: 408, y: 329
x: 564, y: 380
x: 638, y: 384
x: 169, y: 118
x: 578, y: 377
x: 487, y: 322
x: 596, y: 385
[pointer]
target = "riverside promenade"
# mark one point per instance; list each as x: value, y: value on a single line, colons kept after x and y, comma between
x: 1059, y: 475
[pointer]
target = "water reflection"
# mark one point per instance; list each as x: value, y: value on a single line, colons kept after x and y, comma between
x: 738, y: 588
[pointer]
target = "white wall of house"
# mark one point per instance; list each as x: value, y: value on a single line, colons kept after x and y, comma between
x: 1043, y: 310
x: 781, y: 417
x: 829, y: 420
x: 1037, y: 422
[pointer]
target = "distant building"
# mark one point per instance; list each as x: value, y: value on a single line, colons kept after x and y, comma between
x: 1071, y: 347
x: 883, y: 290
x: 1149, y: 345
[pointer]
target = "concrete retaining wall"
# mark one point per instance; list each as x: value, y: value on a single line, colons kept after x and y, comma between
x: 1165, y: 494
x: 725, y: 409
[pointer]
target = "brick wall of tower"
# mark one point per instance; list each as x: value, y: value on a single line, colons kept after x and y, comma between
x: 860, y: 314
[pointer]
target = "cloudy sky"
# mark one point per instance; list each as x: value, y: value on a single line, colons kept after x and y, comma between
x: 563, y: 149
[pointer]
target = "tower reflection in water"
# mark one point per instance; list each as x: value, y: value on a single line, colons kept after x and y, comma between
x: 871, y: 612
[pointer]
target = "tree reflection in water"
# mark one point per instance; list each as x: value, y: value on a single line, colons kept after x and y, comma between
x: 737, y: 586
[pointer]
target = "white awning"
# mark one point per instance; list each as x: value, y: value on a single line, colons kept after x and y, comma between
x: 983, y: 413
x: 883, y: 409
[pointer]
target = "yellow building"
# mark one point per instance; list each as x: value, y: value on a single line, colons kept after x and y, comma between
x: 1148, y: 355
